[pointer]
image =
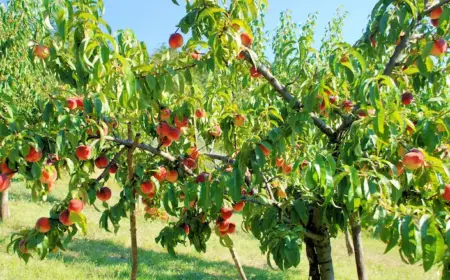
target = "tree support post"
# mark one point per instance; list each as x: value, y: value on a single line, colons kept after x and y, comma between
x: 355, y: 224
x: 134, y: 252
x: 4, y: 209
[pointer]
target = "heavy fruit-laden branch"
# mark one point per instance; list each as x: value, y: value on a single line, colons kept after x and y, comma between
x: 111, y: 163
x: 404, y: 41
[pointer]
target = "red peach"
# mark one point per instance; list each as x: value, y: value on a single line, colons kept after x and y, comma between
x: 190, y: 163
x: 148, y: 187
x: 246, y: 40
x: 166, y: 142
x: 407, y: 98
x: 347, y: 106
x: 216, y: 131
x: 231, y: 228
x: 75, y: 206
x: 186, y: 229
x: 151, y: 210
x: 414, y: 159
x: 104, y: 194
x: 172, y: 176
x: 224, y: 226
x: 5, y: 182
x: 163, y: 129
x: 64, y: 218
x: 436, y: 13
x: 279, y: 162
x: 174, y: 134
x: 238, y: 207
x: 203, y: 177
x: 200, y: 113
x: 71, y: 103
x: 196, y: 55
x: 446, y: 194
x: 181, y: 123
x: 439, y: 47
x: 226, y: 213
x: 113, y: 168
x: 83, y: 152
x: 6, y: 170
x: 41, y: 51
x: 160, y: 174
x: 193, y: 152
x: 254, y: 72
x: 48, y: 175
x: 101, y: 162
x: 176, y: 40
x: 33, y: 155
x: 43, y: 225
x: 23, y: 247
x: 239, y: 120
x: 165, y: 114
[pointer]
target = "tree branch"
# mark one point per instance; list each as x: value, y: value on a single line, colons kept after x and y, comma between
x: 322, y: 125
x: 113, y: 161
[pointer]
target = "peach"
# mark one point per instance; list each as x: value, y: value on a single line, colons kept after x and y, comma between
x: 216, y: 131
x: 224, y: 226
x: 414, y: 159
x: 75, y: 206
x: 332, y: 99
x: 193, y: 152
x: 83, y: 152
x: 254, y: 72
x: 48, y: 175
x: 41, y: 51
x: 148, y: 187
x: 373, y: 42
x: 160, y: 174
x: 6, y: 170
x: 80, y: 102
x: 241, y: 55
x: 435, y: 22
x: 196, y: 55
x: 446, y: 194
x: 64, y: 218
x: 279, y: 162
x: 166, y: 142
x: 190, y: 163
x: 231, y: 228
x: 23, y: 247
x: 246, y: 40
x: 176, y: 40
x: 436, y: 13
x: 163, y: 129
x: 229, y: 169
x: 226, y: 213
x: 151, y: 210
x: 104, y: 194
x: 5, y: 182
x: 347, y: 106
x: 287, y: 168
x: 200, y: 113
x: 34, y: 155
x: 174, y: 134
x: 407, y: 98
x: 186, y: 229
x: 181, y: 123
x: 113, y: 168
x: 72, y: 103
x: 165, y: 114
x: 101, y: 162
x: 264, y: 149
x: 439, y: 47
x: 236, y: 27
x: 239, y: 120
x: 203, y: 177
x: 172, y: 176
x: 43, y: 225
x: 238, y: 207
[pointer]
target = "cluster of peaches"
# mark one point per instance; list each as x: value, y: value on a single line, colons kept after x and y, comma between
x: 223, y: 223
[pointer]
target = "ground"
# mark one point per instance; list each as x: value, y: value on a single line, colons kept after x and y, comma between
x: 102, y: 255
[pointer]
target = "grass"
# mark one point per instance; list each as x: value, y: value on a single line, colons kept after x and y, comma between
x: 102, y: 255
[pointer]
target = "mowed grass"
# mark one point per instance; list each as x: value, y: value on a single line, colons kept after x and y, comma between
x: 103, y: 255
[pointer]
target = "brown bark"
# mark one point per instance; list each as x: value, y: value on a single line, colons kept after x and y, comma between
x: 348, y: 243
x: 322, y: 247
x: 237, y: 263
x: 4, y: 209
x: 134, y: 252
x: 314, y: 273
x: 357, y: 242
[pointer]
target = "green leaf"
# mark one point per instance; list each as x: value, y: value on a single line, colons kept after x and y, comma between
x: 302, y: 210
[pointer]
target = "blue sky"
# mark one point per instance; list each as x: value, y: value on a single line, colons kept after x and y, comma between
x: 154, y: 20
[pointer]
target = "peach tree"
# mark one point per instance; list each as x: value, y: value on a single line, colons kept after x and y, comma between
x: 307, y: 145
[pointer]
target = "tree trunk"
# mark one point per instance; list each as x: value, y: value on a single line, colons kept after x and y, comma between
x: 322, y: 247
x: 134, y: 252
x: 314, y: 273
x: 4, y: 209
x: 349, y: 243
x: 237, y: 263
x: 357, y: 242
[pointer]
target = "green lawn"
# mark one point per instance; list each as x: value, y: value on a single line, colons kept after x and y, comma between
x: 102, y: 255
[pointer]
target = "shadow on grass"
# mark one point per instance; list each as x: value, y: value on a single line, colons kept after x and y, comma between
x: 156, y: 265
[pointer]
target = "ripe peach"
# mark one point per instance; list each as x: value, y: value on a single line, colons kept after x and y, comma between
x: 246, y: 40
x: 435, y: 22
x: 4, y: 182
x: 43, y: 225
x: 407, y: 98
x: 6, y: 170
x: 75, y: 206
x: 174, y: 134
x: 176, y: 40
x: 101, y: 162
x: 160, y: 174
x: 436, y: 13
x: 48, y: 175
x: 239, y: 120
x: 193, y: 152
x: 231, y: 228
x: 71, y: 103
x: 224, y: 226
x: 196, y: 55
x: 113, y: 168
x: 264, y: 149
x: 332, y: 99
x: 203, y: 177
x: 216, y: 131
x: 163, y: 129
x: 80, y: 102
x: 446, y: 194
x: 347, y: 106
x: 200, y: 113
x: 33, y: 155
x: 414, y: 159
x: 166, y: 142
x: 148, y: 187
x: 23, y: 247
x: 186, y: 229
x: 254, y: 72
x: 287, y: 168
x: 439, y: 47
x: 190, y: 163
x: 241, y: 55
x: 226, y: 213
x: 64, y: 218
x: 104, y: 194
x: 181, y: 123
x: 41, y: 51
x: 165, y: 114
x: 83, y: 152
x: 151, y: 210
x: 238, y: 207
x: 172, y: 176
